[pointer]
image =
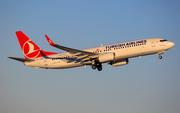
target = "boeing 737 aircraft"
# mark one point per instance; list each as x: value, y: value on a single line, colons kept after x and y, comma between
x: 114, y: 54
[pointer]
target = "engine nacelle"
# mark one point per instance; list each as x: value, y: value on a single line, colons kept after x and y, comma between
x: 106, y: 57
x: 120, y: 62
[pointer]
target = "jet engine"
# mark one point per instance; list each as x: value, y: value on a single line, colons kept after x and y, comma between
x: 106, y: 57
x: 119, y: 62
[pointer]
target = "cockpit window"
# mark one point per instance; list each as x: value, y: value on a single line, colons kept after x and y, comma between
x: 163, y: 40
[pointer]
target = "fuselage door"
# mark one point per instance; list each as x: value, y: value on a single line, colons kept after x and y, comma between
x: 45, y: 62
x: 153, y: 43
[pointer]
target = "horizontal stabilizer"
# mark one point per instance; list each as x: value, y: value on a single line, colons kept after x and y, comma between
x: 21, y: 59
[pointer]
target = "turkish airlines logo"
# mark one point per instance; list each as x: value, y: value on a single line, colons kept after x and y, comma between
x: 30, y: 50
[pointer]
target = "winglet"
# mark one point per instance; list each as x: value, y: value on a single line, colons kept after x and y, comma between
x: 50, y: 41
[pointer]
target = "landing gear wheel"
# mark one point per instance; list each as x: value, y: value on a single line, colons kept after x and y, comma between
x: 93, y: 67
x: 160, y: 57
x: 99, y: 67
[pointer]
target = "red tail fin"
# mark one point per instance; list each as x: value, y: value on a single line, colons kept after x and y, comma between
x: 29, y: 48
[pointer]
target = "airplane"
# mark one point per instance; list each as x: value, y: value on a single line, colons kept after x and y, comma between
x: 114, y: 54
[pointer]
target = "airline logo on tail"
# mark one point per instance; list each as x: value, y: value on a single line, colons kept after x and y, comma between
x: 29, y: 50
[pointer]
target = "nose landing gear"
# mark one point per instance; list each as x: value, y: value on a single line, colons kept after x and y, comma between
x: 159, y: 53
x: 160, y: 57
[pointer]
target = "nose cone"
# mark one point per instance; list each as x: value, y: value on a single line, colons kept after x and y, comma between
x: 171, y: 44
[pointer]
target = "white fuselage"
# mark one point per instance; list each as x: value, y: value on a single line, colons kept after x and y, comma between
x: 122, y: 51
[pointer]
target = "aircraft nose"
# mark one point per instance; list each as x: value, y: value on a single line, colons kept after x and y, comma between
x: 171, y: 44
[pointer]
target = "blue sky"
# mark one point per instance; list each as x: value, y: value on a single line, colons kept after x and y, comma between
x: 146, y: 84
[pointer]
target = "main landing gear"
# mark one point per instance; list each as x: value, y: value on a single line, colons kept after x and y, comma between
x: 98, y: 66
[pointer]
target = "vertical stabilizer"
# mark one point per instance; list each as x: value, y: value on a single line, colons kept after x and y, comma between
x: 29, y: 48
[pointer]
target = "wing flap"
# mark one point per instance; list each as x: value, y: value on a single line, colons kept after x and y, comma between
x: 83, y: 56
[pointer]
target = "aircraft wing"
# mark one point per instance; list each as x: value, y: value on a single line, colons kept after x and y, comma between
x: 79, y: 53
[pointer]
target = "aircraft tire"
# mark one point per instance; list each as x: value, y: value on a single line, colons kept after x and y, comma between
x: 93, y: 67
x: 160, y: 57
x: 100, y: 68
